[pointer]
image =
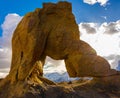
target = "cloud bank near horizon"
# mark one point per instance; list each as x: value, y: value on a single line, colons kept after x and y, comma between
x: 104, y: 38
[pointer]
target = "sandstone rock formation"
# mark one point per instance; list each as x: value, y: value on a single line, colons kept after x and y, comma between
x: 52, y: 31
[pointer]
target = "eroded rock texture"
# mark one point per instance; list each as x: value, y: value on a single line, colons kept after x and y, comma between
x: 52, y: 31
x: 49, y: 31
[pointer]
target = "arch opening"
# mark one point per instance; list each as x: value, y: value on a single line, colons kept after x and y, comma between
x: 55, y: 70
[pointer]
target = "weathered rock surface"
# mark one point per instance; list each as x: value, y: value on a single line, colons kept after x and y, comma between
x: 75, y: 89
x: 52, y: 31
x: 44, y: 32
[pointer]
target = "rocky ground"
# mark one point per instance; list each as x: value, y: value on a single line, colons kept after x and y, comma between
x: 73, y: 89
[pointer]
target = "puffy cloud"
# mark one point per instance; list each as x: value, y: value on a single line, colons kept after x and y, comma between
x: 102, y: 2
x: 112, y: 28
x: 89, y: 28
x: 54, y: 62
x: 52, y: 66
x: 5, y: 57
x: 3, y: 72
x: 8, y: 27
x: 110, y: 57
x: 114, y: 60
x: 105, y: 40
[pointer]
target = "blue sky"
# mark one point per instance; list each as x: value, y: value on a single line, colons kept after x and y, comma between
x: 98, y: 22
x: 84, y: 12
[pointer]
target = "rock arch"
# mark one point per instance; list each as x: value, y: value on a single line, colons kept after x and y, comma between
x: 52, y: 31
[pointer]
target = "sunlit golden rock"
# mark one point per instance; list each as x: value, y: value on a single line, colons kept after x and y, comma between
x: 52, y: 31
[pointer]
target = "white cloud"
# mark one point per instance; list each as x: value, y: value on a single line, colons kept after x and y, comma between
x: 3, y: 72
x: 89, y: 28
x: 105, y: 40
x: 54, y: 62
x: 8, y: 27
x: 114, y: 59
x: 54, y: 66
x: 91, y: 2
x: 112, y: 27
